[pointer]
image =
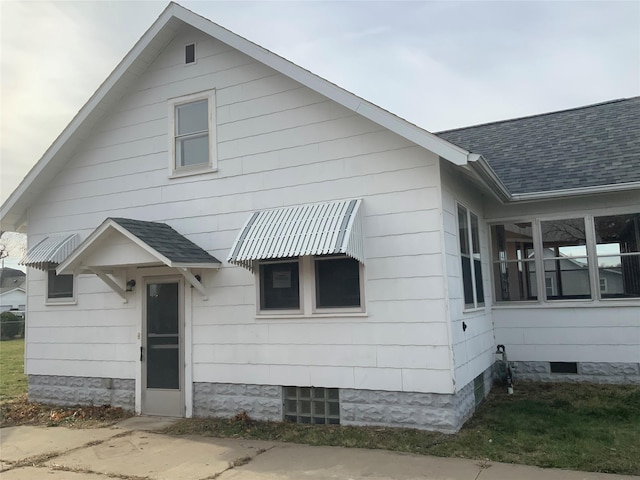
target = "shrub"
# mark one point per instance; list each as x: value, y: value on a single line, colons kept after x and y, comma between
x: 10, y: 325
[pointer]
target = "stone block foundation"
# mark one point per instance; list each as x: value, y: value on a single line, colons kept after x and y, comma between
x: 588, y: 372
x: 427, y: 411
x: 61, y: 390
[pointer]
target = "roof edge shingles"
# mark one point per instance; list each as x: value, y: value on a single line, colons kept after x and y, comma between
x: 595, y: 145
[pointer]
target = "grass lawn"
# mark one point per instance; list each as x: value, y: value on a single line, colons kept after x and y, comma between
x: 13, y: 381
x: 573, y: 426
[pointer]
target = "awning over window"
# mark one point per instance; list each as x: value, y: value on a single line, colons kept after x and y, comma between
x: 53, y: 250
x: 315, y: 229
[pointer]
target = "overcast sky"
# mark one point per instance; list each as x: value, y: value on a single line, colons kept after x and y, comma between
x: 440, y: 65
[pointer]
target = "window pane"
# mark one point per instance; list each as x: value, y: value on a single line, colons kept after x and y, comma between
x: 479, y: 288
x: 617, y: 234
x: 512, y: 241
x: 515, y: 281
x: 192, y: 118
x: 337, y: 282
x: 279, y: 287
x: 564, y: 238
x: 619, y: 276
x: 567, y: 278
x: 59, y: 286
x: 192, y: 150
x: 463, y: 231
x: 475, y: 241
x: 467, y: 282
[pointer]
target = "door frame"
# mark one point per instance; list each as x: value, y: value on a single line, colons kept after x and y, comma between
x: 185, y: 382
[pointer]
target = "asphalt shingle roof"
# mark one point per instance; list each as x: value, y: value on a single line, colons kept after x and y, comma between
x: 583, y: 147
x: 165, y: 240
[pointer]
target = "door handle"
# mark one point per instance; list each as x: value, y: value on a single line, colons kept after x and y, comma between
x: 141, y: 354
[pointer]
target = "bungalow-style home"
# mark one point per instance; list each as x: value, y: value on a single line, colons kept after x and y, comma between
x: 219, y: 230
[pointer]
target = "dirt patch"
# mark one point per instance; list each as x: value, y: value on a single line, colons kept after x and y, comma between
x: 19, y: 411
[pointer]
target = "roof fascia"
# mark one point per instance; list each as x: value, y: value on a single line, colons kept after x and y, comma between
x: 88, y: 108
x: 575, y: 192
x: 437, y: 145
x: 13, y: 290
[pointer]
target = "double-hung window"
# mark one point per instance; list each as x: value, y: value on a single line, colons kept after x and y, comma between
x: 470, y: 257
x: 192, y: 130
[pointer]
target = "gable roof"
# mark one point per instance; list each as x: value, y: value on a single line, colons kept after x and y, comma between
x: 159, y: 239
x: 135, y: 63
x: 592, y: 146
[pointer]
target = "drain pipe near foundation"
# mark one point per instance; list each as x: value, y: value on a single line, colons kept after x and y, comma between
x: 504, y: 369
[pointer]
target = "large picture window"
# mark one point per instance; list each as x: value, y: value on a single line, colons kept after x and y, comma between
x: 470, y: 257
x: 192, y: 133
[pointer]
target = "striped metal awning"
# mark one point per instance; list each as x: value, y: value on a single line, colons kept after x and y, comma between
x: 53, y: 250
x: 314, y: 229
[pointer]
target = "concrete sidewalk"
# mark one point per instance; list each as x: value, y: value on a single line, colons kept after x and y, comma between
x: 130, y: 450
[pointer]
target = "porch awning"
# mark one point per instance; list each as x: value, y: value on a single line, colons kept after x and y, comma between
x: 144, y: 243
x: 50, y: 251
x: 313, y: 229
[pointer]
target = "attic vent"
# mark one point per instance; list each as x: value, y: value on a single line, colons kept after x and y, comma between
x: 190, y: 53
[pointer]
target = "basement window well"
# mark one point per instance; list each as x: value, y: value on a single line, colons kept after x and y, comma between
x: 315, y: 405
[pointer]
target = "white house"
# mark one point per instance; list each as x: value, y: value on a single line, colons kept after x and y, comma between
x: 219, y: 230
x: 12, y: 290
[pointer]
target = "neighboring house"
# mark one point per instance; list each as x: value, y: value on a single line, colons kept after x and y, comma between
x: 12, y: 290
x: 219, y: 230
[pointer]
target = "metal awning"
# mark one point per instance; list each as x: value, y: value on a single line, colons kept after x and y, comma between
x: 51, y: 251
x: 314, y: 229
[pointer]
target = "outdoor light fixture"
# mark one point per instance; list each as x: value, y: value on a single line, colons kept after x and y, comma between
x: 130, y: 285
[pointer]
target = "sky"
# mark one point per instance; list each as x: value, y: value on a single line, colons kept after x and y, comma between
x: 440, y: 65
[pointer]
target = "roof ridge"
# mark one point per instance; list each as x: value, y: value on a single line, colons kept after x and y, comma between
x: 584, y: 107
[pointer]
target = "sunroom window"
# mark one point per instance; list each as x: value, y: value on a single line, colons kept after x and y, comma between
x: 514, y: 271
x: 566, y: 266
x: 618, y: 252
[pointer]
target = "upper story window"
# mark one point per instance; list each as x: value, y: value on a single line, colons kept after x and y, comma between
x: 190, y: 54
x: 192, y: 121
x: 59, y: 287
x: 581, y: 258
x: 470, y: 257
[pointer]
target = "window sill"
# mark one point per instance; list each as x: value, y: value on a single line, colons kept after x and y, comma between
x: 53, y: 303
x: 480, y: 308
x: 311, y: 315
x: 605, y: 303
x: 188, y: 172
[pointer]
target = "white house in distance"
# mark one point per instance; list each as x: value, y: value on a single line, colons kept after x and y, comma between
x: 219, y: 230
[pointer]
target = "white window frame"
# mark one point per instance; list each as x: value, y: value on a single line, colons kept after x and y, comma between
x: 195, y: 54
x: 477, y: 305
x: 592, y: 259
x: 72, y: 300
x: 176, y: 171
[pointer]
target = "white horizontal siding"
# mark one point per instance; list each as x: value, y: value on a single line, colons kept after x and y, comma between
x: 279, y: 144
